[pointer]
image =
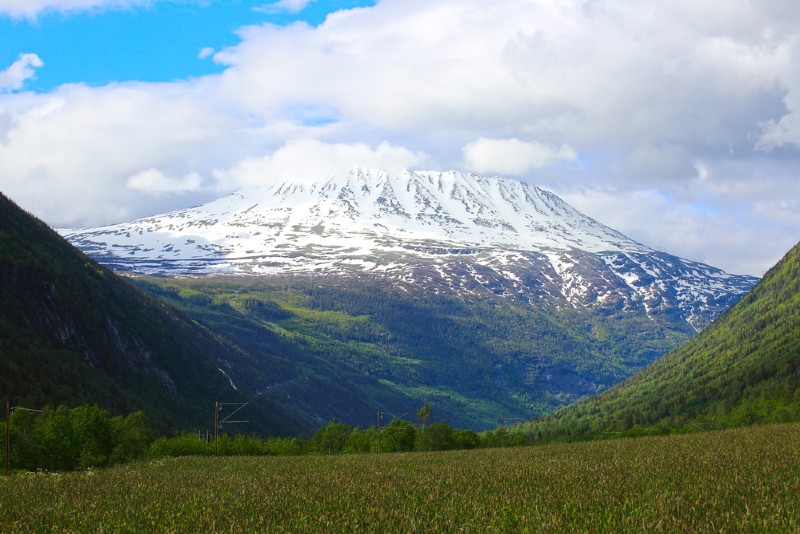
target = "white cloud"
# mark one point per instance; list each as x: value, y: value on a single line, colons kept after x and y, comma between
x: 68, y: 155
x: 673, y: 105
x: 741, y: 216
x: 308, y: 159
x: 7, y: 123
x: 512, y: 156
x: 154, y: 182
x: 660, y: 164
x: 723, y: 238
x: 206, y: 52
x: 284, y: 6
x: 785, y: 130
x: 32, y: 8
x: 22, y: 69
x: 582, y: 72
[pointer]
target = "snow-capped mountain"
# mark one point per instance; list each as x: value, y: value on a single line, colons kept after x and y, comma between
x: 441, y: 231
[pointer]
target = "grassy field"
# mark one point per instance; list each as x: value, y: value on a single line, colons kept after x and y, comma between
x: 735, y: 481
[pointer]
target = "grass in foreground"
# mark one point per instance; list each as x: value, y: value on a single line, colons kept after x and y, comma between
x: 737, y: 480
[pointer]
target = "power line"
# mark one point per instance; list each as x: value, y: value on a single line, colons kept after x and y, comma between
x: 9, y: 411
x: 225, y: 420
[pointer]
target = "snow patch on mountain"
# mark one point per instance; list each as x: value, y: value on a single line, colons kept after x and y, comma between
x: 447, y: 230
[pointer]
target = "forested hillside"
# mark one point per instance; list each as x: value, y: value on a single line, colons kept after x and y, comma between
x: 336, y: 347
x: 741, y: 370
x: 73, y: 332
x: 302, y: 350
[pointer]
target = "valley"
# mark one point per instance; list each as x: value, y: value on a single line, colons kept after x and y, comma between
x: 373, y: 290
x: 344, y: 348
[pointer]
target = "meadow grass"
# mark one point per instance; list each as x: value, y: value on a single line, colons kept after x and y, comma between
x: 732, y: 481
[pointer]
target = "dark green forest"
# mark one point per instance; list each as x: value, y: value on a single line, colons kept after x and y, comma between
x: 72, y: 332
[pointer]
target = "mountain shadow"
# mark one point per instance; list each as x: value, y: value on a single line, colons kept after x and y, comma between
x: 73, y: 332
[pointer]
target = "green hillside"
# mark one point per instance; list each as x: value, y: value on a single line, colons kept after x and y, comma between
x: 73, y: 332
x: 741, y: 370
x: 343, y: 348
x: 302, y: 350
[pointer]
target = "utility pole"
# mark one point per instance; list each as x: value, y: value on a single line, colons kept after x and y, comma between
x: 378, y: 432
x: 225, y: 420
x: 8, y: 437
x: 216, y: 427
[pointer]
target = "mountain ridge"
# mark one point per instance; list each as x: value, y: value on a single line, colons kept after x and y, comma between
x: 467, y: 210
x: 446, y: 231
x: 386, y: 321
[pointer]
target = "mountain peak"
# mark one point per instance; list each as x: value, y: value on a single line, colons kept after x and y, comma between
x: 352, y: 209
x: 444, y: 230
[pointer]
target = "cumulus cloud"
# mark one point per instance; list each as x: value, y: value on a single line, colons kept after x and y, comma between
x: 24, y: 68
x: 7, y: 123
x: 69, y: 154
x: 512, y: 156
x: 682, y: 106
x: 738, y: 236
x: 660, y: 164
x: 154, y: 182
x: 582, y: 72
x: 738, y: 214
x: 284, y: 6
x: 205, y: 52
x: 785, y: 130
x: 309, y: 159
x: 32, y: 8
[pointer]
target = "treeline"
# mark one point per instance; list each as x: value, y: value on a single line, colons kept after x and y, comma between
x: 579, y: 422
x: 339, y: 438
x: 65, y: 439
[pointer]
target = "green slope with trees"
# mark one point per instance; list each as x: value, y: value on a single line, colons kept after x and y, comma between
x: 73, y: 332
x: 303, y: 351
x: 743, y: 369
x: 342, y: 348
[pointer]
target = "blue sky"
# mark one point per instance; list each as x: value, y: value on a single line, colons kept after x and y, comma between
x: 677, y: 123
x: 153, y: 43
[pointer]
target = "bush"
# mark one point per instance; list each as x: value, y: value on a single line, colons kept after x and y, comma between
x: 131, y: 436
x: 330, y: 439
x: 436, y: 437
x: 65, y: 439
x: 398, y: 436
x: 182, y: 445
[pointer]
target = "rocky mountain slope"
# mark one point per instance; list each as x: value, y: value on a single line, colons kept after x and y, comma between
x: 375, y: 290
x: 444, y: 232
